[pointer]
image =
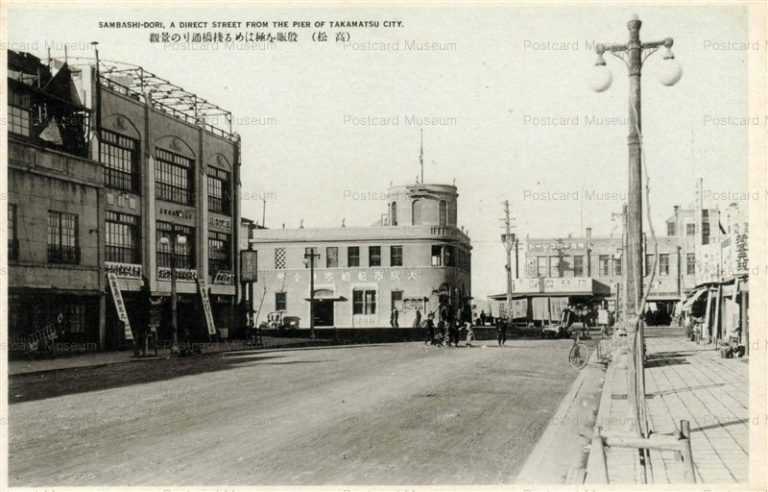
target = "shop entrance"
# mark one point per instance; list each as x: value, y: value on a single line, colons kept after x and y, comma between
x: 323, y: 313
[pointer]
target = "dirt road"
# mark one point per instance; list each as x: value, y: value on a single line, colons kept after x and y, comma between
x: 385, y: 414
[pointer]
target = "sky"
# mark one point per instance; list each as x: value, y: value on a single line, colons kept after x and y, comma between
x: 503, y: 98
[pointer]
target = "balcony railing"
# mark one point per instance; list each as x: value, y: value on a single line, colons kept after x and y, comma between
x: 63, y: 254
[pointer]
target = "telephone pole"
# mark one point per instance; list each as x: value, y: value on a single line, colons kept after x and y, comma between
x: 508, y: 245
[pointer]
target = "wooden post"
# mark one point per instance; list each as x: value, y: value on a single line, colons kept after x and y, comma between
x: 686, y: 451
x: 707, y: 318
x: 598, y: 473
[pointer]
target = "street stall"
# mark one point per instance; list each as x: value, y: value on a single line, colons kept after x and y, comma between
x: 539, y: 302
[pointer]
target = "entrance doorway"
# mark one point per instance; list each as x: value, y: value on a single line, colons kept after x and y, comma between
x: 324, y: 313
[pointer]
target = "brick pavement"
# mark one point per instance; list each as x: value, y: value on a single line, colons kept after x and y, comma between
x: 683, y: 381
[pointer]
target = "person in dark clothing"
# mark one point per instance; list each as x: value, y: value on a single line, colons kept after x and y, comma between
x: 430, y: 326
x: 482, y: 317
x: 394, y: 318
x: 417, y: 319
x: 501, y: 333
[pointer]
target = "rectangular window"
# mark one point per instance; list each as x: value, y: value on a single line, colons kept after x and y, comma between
x: 443, y: 212
x: 308, y: 253
x: 450, y: 256
x: 690, y: 229
x: 331, y: 257
x: 663, y: 264
x: 690, y: 263
x: 122, y: 243
x: 18, y: 120
x: 705, y: 230
x: 617, y: 266
x: 670, y: 228
x: 363, y: 301
x: 184, y: 253
x: 541, y: 266
x: 437, y: 256
x: 578, y: 266
x: 374, y: 256
x: 281, y: 301
x: 62, y: 238
x: 120, y: 156
x: 554, y: 266
x: 173, y: 177
x: 279, y: 258
x: 353, y: 256
x: 396, y: 256
x: 218, y: 190
x: 648, y: 264
x: 13, y: 238
x: 603, y: 265
x: 218, y: 252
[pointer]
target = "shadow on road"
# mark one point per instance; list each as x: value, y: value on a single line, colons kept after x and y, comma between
x: 49, y: 384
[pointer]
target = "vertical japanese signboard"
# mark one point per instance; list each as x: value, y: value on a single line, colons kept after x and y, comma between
x: 203, y: 288
x: 117, y: 297
x: 248, y: 266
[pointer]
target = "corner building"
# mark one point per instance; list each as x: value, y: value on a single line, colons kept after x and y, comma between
x: 413, y: 258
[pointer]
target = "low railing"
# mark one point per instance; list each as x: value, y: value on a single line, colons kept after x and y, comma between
x: 680, y: 444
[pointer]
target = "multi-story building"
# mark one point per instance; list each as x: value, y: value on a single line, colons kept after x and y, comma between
x: 687, y: 256
x: 55, y: 207
x: 412, y: 259
x: 152, y: 163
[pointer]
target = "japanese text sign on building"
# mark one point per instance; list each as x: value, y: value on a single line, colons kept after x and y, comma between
x: 117, y: 297
x: 248, y: 266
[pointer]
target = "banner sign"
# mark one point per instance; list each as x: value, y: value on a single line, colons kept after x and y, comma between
x: 203, y: 288
x: 117, y: 297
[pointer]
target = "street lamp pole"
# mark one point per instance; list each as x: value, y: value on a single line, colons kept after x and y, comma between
x: 171, y: 241
x: 309, y: 260
x: 174, y: 301
x: 633, y: 54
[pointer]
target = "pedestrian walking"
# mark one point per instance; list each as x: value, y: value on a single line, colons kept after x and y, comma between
x: 453, y: 333
x: 442, y: 338
x: 430, y: 326
x: 470, y: 334
x: 482, y: 317
x: 501, y: 333
x: 393, y: 318
x: 417, y: 319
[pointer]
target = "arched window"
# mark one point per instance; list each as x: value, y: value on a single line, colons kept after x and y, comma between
x: 393, y: 213
x: 443, y: 212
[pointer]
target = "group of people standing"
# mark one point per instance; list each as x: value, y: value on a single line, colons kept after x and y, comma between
x: 449, y: 326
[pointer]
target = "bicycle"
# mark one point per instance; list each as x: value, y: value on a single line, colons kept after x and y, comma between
x: 579, y: 353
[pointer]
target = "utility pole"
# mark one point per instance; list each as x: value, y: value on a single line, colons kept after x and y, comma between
x: 508, y: 244
x: 263, y: 212
x: 421, y: 156
x: 309, y: 260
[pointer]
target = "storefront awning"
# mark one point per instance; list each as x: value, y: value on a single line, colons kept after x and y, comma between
x: 326, y: 295
x: 694, y: 296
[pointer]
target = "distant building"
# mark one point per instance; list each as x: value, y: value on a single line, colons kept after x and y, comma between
x: 412, y: 259
x: 688, y: 255
x: 104, y: 163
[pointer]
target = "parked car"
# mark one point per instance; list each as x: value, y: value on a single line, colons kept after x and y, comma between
x: 554, y: 330
x: 291, y: 322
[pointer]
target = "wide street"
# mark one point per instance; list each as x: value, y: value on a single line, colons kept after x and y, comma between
x: 374, y: 414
